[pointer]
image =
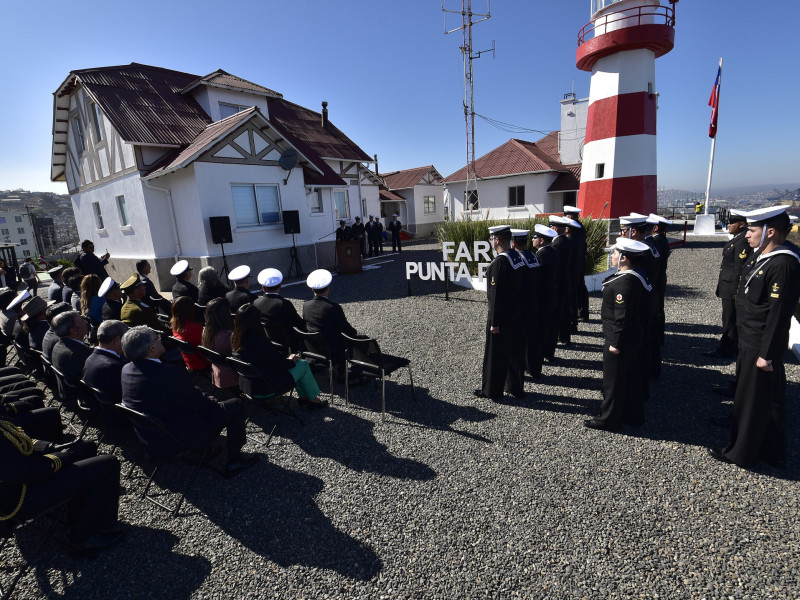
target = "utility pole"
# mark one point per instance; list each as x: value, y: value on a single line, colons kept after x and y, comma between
x: 471, y: 188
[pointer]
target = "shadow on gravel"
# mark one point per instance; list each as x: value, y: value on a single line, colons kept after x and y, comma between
x: 576, y: 363
x: 692, y: 328
x: 142, y: 566
x: 552, y: 403
x: 681, y: 291
x: 272, y: 511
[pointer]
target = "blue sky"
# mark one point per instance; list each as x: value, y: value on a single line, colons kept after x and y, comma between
x: 393, y: 79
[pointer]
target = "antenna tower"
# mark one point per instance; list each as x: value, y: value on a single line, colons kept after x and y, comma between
x: 471, y: 188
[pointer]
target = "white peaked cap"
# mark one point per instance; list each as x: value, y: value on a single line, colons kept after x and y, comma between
x: 559, y: 220
x: 764, y: 214
x: 495, y: 229
x: 239, y: 273
x: 21, y: 297
x: 632, y: 219
x: 630, y: 246
x: 270, y: 277
x: 108, y: 283
x: 319, y: 279
x: 571, y: 209
x: 573, y: 223
x: 544, y: 230
x: 520, y: 232
x: 660, y: 219
x: 179, y: 268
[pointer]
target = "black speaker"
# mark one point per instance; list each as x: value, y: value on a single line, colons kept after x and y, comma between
x: 291, y: 221
x: 220, y: 230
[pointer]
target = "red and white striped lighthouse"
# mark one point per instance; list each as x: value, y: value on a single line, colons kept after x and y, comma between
x: 619, y: 46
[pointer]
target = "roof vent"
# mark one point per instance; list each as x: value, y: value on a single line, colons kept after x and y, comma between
x: 324, y: 114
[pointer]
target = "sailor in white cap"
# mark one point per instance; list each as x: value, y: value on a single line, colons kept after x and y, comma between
x: 577, y: 234
x: 395, y: 226
x: 567, y: 272
x: 767, y: 296
x: 548, y: 258
x: 625, y: 295
x: 112, y: 309
x: 502, y: 362
x: 734, y: 256
x: 276, y: 310
x: 344, y: 233
x: 371, y: 229
x: 324, y: 315
x: 530, y: 294
x: 182, y: 272
x: 241, y: 294
x: 660, y: 228
x: 57, y: 284
x: 358, y: 235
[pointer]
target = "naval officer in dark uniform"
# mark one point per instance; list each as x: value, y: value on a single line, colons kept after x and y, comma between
x: 530, y: 312
x: 734, y: 256
x: 660, y: 227
x: 548, y: 302
x: 241, y: 294
x: 625, y: 294
x: 767, y: 297
x: 183, y: 286
x: 566, y: 277
x: 578, y: 233
x: 501, y: 367
x: 112, y: 309
x: 395, y: 226
x: 277, y: 309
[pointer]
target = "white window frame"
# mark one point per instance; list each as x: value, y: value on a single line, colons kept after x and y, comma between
x: 317, y: 207
x: 259, y: 214
x: 228, y: 105
x: 425, y: 205
x: 338, y: 216
x: 97, y: 122
x: 98, y: 216
x: 122, y: 210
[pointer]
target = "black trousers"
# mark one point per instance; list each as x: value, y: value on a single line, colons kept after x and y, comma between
x: 92, y: 488
x: 729, y: 341
x: 496, y: 362
x: 232, y: 419
x: 622, y: 384
x: 759, y: 412
x: 583, y: 300
x: 396, y: 243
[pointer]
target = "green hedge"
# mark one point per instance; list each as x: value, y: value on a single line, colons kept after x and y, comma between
x: 470, y: 231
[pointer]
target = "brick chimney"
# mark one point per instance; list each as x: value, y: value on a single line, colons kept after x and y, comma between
x: 324, y: 114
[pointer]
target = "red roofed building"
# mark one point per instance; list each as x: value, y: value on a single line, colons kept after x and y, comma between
x: 522, y: 179
x: 417, y: 197
x: 150, y: 154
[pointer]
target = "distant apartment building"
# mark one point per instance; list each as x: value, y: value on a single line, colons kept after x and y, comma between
x: 16, y: 229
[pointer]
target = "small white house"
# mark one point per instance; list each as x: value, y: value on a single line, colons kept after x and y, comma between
x: 417, y: 197
x: 149, y: 155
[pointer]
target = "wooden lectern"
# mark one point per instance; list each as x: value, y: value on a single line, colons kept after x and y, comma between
x: 348, y: 256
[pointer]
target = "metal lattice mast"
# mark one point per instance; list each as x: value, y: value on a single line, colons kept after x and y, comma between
x: 471, y: 187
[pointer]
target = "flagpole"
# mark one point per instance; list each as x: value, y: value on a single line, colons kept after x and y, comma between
x: 713, y: 146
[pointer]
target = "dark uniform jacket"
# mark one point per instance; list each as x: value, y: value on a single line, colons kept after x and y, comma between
x: 54, y: 291
x: 320, y: 314
x: 136, y: 312
x: 49, y: 341
x: 344, y: 234
x: 395, y: 227
x: 112, y: 310
x: 624, y: 296
x: 185, y: 288
x: 259, y: 352
x: 564, y: 246
x: 357, y: 230
x: 91, y: 265
x: 239, y: 296
x: 503, y: 287
x: 38, y: 329
x: 275, y: 307
x: 531, y: 285
x: 768, y: 297
x: 734, y: 256
x: 548, y: 266
x: 371, y: 227
x: 69, y: 357
x: 103, y: 370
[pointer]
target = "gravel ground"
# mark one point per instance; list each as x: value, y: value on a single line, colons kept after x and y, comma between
x: 459, y: 497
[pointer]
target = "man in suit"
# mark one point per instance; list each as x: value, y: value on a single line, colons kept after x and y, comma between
x: 321, y: 314
x: 358, y: 234
x: 395, y: 226
x: 277, y: 309
x: 103, y: 367
x: 371, y: 230
x: 343, y: 233
x: 70, y: 352
x: 89, y: 263
x: 50, y: 338
x: 54, y: 291
x: 135, y: 311
x: 241, y: 294
x: 183, y: 286
x: 165, y: 392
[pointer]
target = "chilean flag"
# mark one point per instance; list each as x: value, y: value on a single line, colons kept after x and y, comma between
x: 713, y: 102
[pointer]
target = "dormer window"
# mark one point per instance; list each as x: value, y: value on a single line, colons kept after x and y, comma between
x: 94, y: 111
x: 77, y: 129
x: 226, y: 109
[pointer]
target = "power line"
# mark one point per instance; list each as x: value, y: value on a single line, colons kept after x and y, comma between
x: 510, y: 127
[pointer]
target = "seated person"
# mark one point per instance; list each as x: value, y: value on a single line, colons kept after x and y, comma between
x: 210, y: 286
x: 70, y: 352
x: 75, y: 284
x: 250, y: 344
x: 241, y: 294
x: 277, y: 309
x: 217, y: 337
x: 184, y: 327
x: 151, y: 294
x: 110, y: 292
x: 165, y: 392
x: 54, y: 291
x: 183, y: 284
x: 103, y: 367
x: 136, y: 311
x: 34, y: 322
x: 50, y: 337
x: 320, y: 314
x: 66, y: 290
x: 91, y: 301
x: 35, y: 476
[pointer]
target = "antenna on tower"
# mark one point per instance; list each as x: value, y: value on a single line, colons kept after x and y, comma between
x: 471, y: 187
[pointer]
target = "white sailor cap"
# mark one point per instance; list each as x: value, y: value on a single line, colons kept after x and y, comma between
x: 573, y: 223
x: 239, y: 273
x: 540, y: 230
x: 319, y: 279
x: 632, y: 219
x: 558, y: 220
x: 395, y: 215
x: 520, y: 233
x: 629, y: 246
x: 270, y: 277
x: 495, y: 229
x: 737, y: 215
x: 764, y: 215
x: 21, y: 297
x: 659, y: 219
x: 108, y: 283
x: 372, y: 216
x: 571, y: 209
x: 793, y: 218
x: 179, y: 268
x: 652, y: 219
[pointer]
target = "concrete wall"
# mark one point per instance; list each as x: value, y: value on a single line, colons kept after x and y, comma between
x: 574, y: 114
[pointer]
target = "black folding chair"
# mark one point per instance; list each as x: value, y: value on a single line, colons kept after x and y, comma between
x: 200, y: 313
x: 144, y: 422
x: 190, y: 349
x: 113, y: 422
x: 317, y: 353
x: 365, y: 358
x: 28, y: 361
x: 71, y: 398
x: 277, y: 334
x: 11, y: 527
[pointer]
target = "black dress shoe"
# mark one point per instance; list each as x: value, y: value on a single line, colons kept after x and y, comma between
x: 717, y: 454
x: 719, y: 354
x: 240, y: 463
x: 726, y: 391
x: 598, y: 424
x: 478, y: 393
